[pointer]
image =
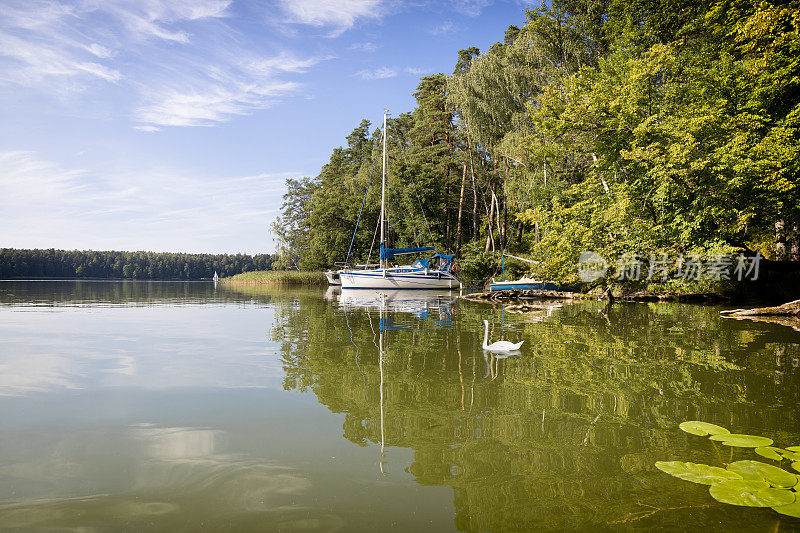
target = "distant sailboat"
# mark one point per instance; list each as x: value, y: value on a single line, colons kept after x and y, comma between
x: 422, y: 274
x: 216, y: 277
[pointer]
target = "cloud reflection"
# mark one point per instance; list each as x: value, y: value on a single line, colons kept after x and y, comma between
x: 91, y: 348
x: 182, y: 478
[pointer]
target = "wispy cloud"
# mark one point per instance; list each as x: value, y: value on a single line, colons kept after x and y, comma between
x: 51, y: 205
x: 209, y: 104
x: 380, y: 73
x: 444, y: 28
x: 336, y: 15
x: 470, y: 8
x: 218, y: 94
x: 363, y: 47
x: 416, y: 71
x: 185, y: 64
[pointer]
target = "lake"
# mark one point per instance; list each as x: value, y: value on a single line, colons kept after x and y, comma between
x: 178, y: 406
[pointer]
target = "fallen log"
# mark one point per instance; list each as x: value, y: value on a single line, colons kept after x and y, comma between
x: 516, y: 294
x: 787, y: 309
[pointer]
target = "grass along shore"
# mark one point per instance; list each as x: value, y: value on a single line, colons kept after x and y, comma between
x: 276, y: 277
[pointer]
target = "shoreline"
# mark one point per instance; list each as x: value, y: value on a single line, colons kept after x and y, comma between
x: 266, y: 278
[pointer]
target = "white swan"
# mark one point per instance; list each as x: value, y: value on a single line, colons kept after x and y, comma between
x: 499, y: 346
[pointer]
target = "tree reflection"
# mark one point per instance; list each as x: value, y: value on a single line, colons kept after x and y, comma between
x: 564, y: 435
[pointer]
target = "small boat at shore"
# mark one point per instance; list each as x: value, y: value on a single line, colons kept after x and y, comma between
x: 524, y: 284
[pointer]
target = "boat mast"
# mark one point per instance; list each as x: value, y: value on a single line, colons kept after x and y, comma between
x: 381, y: 262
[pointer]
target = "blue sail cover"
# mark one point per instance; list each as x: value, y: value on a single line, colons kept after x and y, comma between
x: 389, y: 253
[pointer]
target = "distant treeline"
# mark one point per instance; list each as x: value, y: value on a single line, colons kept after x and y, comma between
x: 125, y: 265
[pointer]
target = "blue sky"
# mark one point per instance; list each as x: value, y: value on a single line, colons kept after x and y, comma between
x: 171, y: 125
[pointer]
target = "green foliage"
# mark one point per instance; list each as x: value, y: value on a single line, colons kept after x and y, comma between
x: 477, y: 265
x: 625, y: 126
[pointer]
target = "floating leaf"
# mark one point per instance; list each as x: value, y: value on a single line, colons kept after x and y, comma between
x: 792, y: 456
x: 796, y: 466
x: 695, y: 427
x: 793, y: 448
x: 750, y: 493
x: 756, y: 470
x: 793, y: 509
x: 696, y: 473
x: 742, y: 441
x: 770, y: 452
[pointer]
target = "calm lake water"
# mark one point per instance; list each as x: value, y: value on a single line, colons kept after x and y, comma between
x: 177, y: 406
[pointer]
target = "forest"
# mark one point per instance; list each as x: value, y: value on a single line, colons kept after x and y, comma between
x: 667, y: 127
x: 17, y: 263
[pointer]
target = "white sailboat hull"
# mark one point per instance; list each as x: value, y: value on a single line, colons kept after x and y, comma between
x: 398, y: 279
x: 333, y: 277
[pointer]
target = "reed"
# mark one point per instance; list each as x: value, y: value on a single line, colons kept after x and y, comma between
x: 276, y: 277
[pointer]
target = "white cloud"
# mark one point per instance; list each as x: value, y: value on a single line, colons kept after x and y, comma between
x: 417, y: 71
x: 44, y: 204
x: 186, y: 65
x: 203, y: 106
x: 381, y: 73
x: 237, y: 88
x: 34, y: 63
x: 363, y: 47
x: 338, y: 15
x: 470, y: 8
x: 444, y: 28
x: 283, y: 62
x: 152, y: 18
x: 99, y: 50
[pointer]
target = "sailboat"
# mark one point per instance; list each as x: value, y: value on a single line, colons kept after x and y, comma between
x: 435, y: 272
x: 333, y: 277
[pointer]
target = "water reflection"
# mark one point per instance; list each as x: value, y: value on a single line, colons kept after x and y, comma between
x: 180, y: 477
x: 564, y: 435
x: 158, y: 347
x: 57, y: 293
x: 125, y: 415
x: 418, y: 303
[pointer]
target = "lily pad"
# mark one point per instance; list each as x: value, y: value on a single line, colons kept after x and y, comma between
x: 750, y: 493
x: 742, y: 441
x: 697, y: 473
x: 695, y: 427
x: 792, y: 456
x: 756, y: 470
x: 796, y: 466
x: 770, y: 452
x: 793, y: 448
x: 792, y: 509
